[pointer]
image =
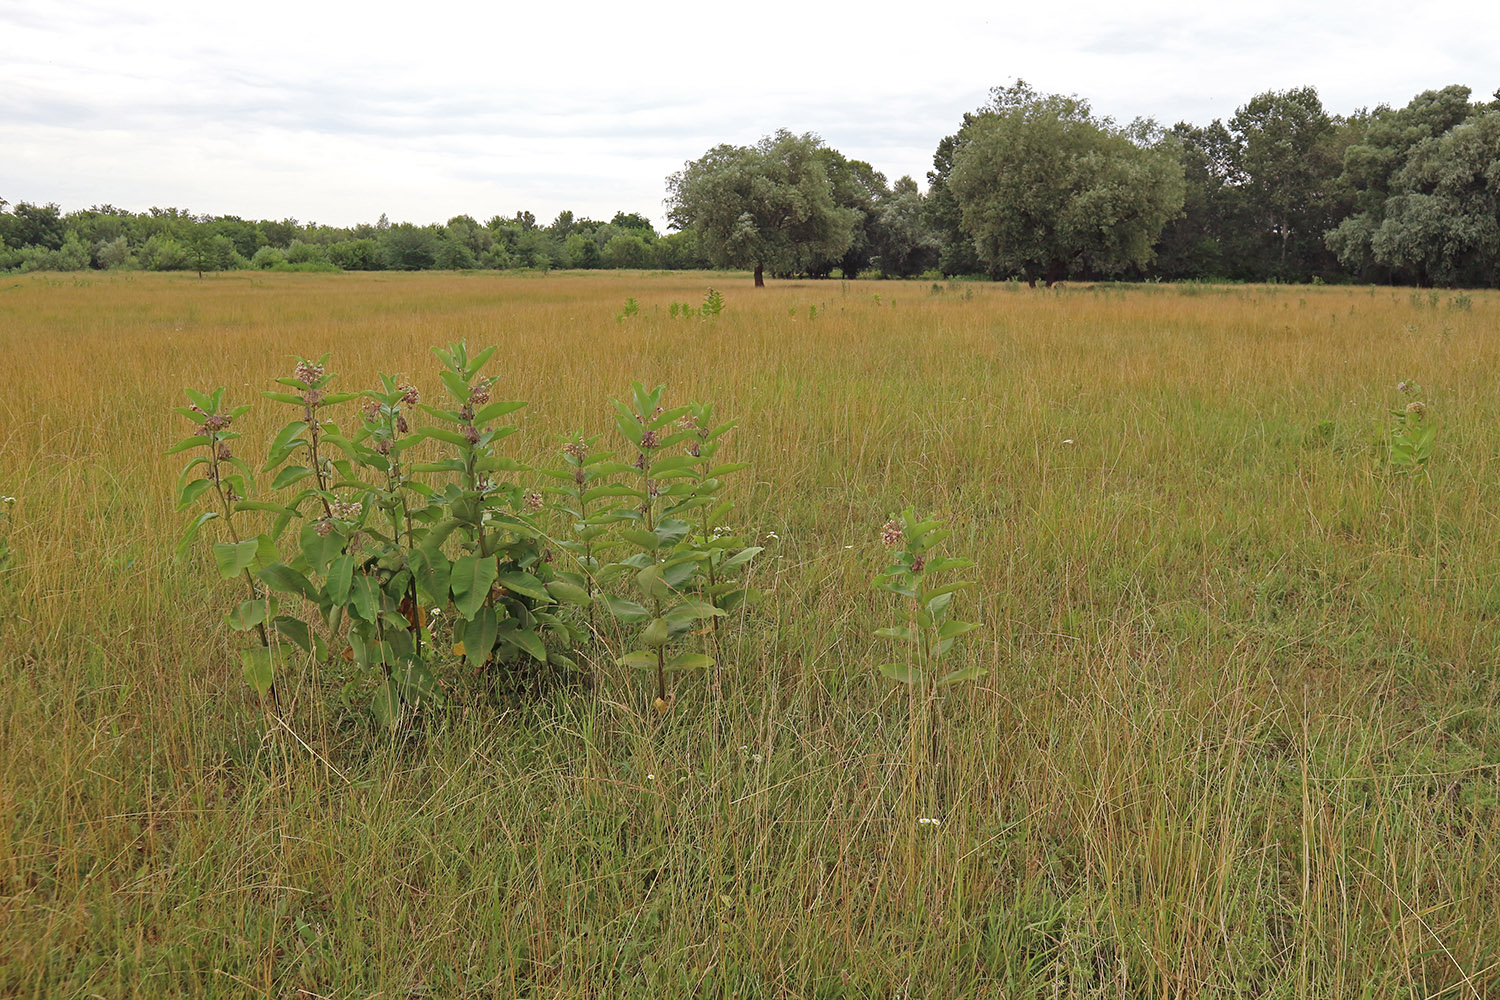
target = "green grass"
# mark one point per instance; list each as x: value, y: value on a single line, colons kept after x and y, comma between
x: 1237, y: 739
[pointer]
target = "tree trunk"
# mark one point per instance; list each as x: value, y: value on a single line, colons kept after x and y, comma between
x: 760, y: 276
x: 1056, y: 271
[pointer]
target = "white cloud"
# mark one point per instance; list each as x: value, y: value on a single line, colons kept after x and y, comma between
x: 338, y: 112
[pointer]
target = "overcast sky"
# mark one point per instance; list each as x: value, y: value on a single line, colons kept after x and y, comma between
x: 337, y: 112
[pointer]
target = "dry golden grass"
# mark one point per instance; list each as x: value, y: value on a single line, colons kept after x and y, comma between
x: 1238, y: 737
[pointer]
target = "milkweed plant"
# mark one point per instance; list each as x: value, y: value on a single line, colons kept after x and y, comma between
x: 375, y: 515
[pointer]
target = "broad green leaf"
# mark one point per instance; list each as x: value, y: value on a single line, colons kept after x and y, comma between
x: 457, y: 386
x: 627, y: 611
x: 901, y: 632
x: 446, y: 436
x: 901, y: 672
x: 690, y: 661
x: 258, y: 670
x: 658, y: 633
x: 640, y: 538
x: 671, y: 531
x: 741, y: 557
x: 235, y: 557
x: 340, y: 578
x: 192, y: 491
x: 202, y: 400
x: 948, y: 562
x: 524, y: 583
x: 285, y: 580
x: 415, y: 682
x: 950, y: 629
x: 640, y: 659
x: 296, y: 630
x: 478, y: 360
x: 602, y: 492
x: 526, y: 640
x: 690, y: 611
x: 247, y: 615
x: 386, y: 703
x: 471, y: 580
x: 666, y: 467
x: 930, y: 596
x: 651, y: 583
x: 431, y: 571
x: 289, y: 475
x: 568, y: 593
x: 966, y: 674
x: 196, y: 441
x: 479, y: 636
x: 320, y: 549
x: 284, y: 397
x: 364, y: 594
x: 499, y: 408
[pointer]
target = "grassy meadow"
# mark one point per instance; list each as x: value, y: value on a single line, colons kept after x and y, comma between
x: 1237, y: 738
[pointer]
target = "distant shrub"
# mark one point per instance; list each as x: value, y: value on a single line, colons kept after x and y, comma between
x: 71, y: 256
x: 268, y: 257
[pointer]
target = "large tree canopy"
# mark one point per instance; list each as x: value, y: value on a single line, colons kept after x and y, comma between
x: 1046, y: 189
x: 1429, y: 193
x: 770, y: 205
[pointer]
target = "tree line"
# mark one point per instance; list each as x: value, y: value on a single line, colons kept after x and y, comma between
x: 43, y: 238
x: 1031, y: 186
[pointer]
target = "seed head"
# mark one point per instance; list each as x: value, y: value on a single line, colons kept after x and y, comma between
x: 891, y: 534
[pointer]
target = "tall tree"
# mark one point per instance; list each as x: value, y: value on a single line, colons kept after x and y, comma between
x: 1442, y: 226
x: 1206, y: 240
x: 1290, y: 158
x: 943, y: 217
x: 764, y: 206
x: 1374, y: 173
x: 903, y: 242
x: 858, y: 187
x: 1046, y: 189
